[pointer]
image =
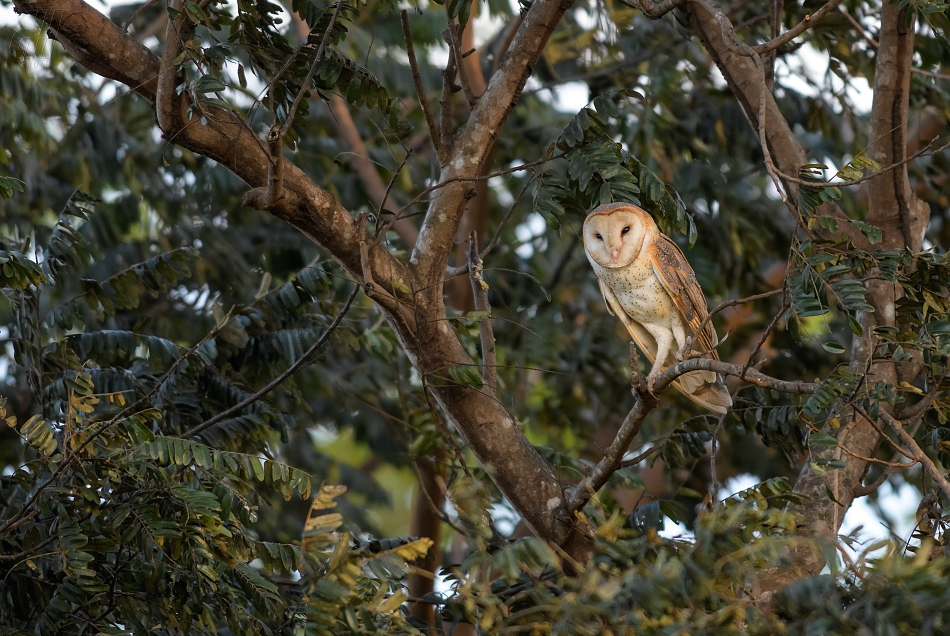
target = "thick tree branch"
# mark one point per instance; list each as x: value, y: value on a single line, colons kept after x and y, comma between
x: 225, y: 138
x: 894, y: 208
x: 892, y: 204
x: 475, y: 140
x: 85, y: 34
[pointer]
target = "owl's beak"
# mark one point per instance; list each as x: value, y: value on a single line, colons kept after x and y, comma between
x: 615, y: 253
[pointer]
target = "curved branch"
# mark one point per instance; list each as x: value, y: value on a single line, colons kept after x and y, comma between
x: 750, y: 375
x: 226, y: 138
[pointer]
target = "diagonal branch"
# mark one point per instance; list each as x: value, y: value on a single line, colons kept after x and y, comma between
x: 225, y: 138
x: 630, y: 428
x: 476, y: 138
x: 918, y: 454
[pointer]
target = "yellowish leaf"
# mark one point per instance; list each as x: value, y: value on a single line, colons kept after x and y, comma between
x: 393, y: 602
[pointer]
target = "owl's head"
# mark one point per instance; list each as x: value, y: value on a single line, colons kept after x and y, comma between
x: 614, y: 234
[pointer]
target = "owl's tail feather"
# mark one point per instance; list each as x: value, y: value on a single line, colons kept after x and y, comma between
x: 706, y: 389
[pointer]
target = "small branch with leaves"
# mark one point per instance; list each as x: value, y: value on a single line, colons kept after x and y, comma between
x: 302, y: 360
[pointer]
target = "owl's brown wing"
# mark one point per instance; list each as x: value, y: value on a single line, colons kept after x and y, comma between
x: 679, y: 280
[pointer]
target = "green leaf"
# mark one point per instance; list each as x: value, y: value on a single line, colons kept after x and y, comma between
x: 466, y: 376
x: 833, y: 347
x: 875, y: 234
x: 208, y: 83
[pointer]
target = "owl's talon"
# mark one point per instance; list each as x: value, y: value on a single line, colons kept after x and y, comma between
x: 685, y: 352
x: 651, y: 380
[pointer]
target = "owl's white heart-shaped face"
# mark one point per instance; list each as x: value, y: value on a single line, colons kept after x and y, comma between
x: 614, y: 237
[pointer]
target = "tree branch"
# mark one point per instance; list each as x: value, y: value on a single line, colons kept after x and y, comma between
x: 892, y: 204
x: 225, y: 138
x: 750, y: 375
x: 451, y: 37
x: 434, y: 132
x: 918, y: 454
x: 475, y: 140
x: 485, y: 332
x: 630, y: 428
x: 302, y: 360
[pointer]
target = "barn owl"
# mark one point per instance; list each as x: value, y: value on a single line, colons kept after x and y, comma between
x: 647, y: 282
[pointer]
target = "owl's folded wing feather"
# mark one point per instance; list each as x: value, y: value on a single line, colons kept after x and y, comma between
x: 679, y: 280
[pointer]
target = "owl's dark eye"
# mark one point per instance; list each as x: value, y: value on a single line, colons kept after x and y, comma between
x: 624, y: 230
x: 599, y: 237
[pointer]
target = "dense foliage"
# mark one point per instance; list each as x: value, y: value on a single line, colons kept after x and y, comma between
x: 213, y: 422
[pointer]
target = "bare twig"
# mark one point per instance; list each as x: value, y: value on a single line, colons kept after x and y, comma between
x: 303, y: 359
x: 485, y: 332
x: 860, y: 29
x: 420, y: 89
x: 732, y: 303
x: 305, y: 87
x: 633, y: 461
x: 138, y: 12
x: 464, y: 269
x: 455, y: 50
x: 613, y: 455
x: 379, y: 210
x: 917, y: 452
x: 765, y: 334
x: 473, y: 179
